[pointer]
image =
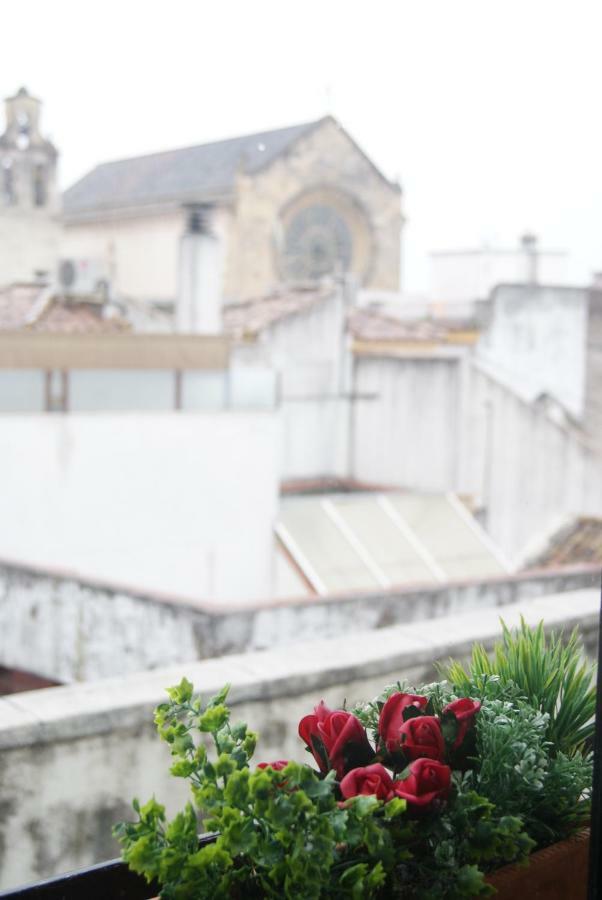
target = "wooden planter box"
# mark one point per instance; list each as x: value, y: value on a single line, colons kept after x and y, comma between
x: 558, y: 872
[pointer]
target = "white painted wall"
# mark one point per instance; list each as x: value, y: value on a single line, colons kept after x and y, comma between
x: 536, y: 341
x: 527, y: 470
x: 174, y: 502
x: 141, y: 253
x: 407, y: 422
x: 448, y: 424
x: 308, y: 352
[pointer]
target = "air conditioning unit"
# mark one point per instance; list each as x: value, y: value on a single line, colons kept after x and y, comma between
x: 84, y: 278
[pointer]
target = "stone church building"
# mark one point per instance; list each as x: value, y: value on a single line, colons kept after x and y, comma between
x: 288, y: 206
x: 29, y: 202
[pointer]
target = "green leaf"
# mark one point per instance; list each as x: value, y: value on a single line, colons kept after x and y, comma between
x: 364, y: 805
x: 236, y: 791
x: 182, y: 692
x: 220, y: 698
x: 213, y: 718
x: 225, y: 765
x: 395, y: 807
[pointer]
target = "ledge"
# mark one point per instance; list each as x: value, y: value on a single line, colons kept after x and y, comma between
x: 74, y: 711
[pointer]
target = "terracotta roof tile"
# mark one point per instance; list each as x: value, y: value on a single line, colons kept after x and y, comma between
x: 368, y: 324
x: 249, y: 318
x: 31, y: 307
x: 578, y: 542
x: 17, y: 304
x: 365, y: 324
x: 77, y: 318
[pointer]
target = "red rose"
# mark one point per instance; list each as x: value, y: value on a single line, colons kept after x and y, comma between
x: 337, y: 739
x: 465, y: 711
x: 422, y: 737
x: 427, y: 781
x: 368, y: 780
x: 277, y: 765
x: 391, y: 717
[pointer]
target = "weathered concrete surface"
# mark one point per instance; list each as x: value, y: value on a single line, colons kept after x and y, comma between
x: 70, y: 629
x: 73, y: 757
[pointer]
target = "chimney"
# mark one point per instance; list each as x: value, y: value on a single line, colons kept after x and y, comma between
x: 529, y: 245
x: 199, y: 306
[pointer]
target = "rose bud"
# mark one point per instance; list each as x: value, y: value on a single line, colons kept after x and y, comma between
x: 308, y: 729
x: 465, y: 711
x: 428, y: 780
x: 277, y: 765
x: 391, y: 717
x: 337, y: 739
x: 372, y: 779
x: 422, y: 737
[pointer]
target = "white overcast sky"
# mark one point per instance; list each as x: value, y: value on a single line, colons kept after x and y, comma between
x: 488, y: 111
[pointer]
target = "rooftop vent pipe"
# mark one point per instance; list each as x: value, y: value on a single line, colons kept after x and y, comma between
x: 200, y: 275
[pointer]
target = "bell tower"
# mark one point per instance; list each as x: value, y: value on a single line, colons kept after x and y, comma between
x: 28, y: 161
x: 29, y: 199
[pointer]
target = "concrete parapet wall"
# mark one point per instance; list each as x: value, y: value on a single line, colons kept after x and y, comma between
x: 70, y: 629
x: 73, y: 757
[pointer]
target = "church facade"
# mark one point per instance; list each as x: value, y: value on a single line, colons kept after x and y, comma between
x: 289, y: 206
x: 30, y: 227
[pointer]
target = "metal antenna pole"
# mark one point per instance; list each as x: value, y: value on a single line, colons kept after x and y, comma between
x: 594, y: 877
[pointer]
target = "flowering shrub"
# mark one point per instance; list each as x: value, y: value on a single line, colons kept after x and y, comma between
x: 416, y: 794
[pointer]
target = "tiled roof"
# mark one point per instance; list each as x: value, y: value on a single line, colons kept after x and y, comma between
x: 365, y: 325
x: 77, y: 318
x: 17, y: 305
x: 29, y: 307
x: 190, y: 174
x: 578, y: 542
x: 368, y: 324
x: 252, y: 316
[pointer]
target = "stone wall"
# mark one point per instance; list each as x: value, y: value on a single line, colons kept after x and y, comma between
x: 70, y: 629
x: 322, y: 161
x: 140, y: 247
x: 71, y: 758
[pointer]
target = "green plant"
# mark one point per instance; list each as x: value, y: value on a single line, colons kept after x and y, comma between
x: 519, y: 774
x: 552, y: 676
x: 460, y: 778
x: 281, y: 833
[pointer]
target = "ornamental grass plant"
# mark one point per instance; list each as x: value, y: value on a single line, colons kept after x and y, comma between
x: 418, y: 793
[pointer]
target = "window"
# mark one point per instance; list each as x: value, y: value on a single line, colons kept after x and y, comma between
x: 8, y: 183
x: 39, y: 186
x: 57, y: 391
